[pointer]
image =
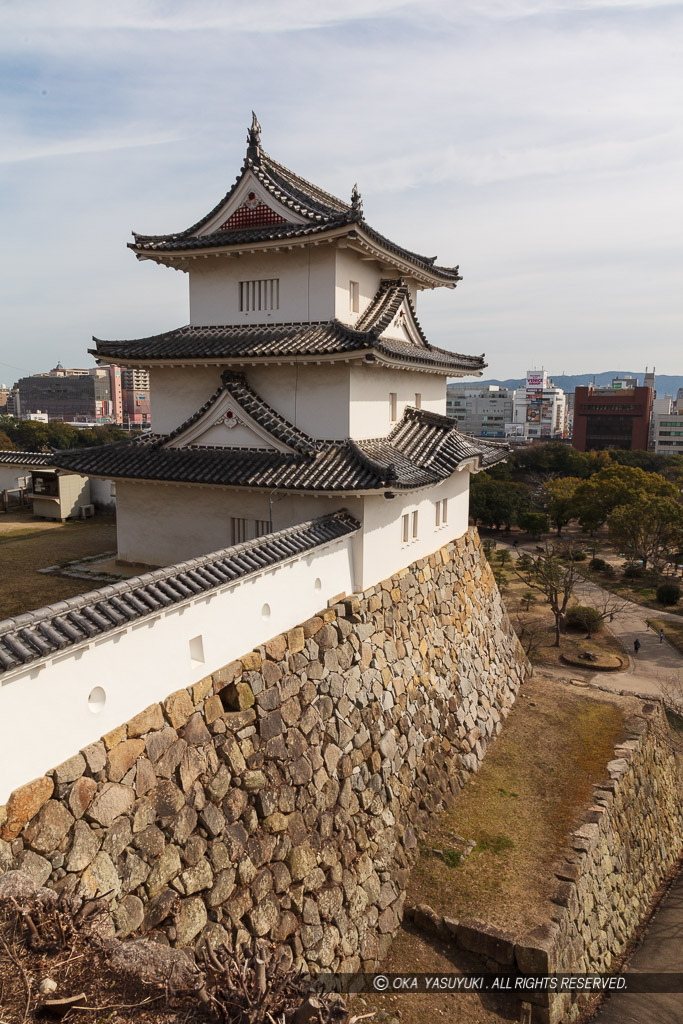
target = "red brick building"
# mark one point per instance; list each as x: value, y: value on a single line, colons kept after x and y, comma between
x: 611, y: 418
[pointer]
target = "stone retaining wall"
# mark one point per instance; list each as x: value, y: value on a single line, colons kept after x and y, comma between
x: 280, y: 797
x: 629, y: 842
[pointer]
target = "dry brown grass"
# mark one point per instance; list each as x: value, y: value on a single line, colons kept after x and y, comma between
x: 413, y: 952
x: 535, y: 780
x: 27, y: 544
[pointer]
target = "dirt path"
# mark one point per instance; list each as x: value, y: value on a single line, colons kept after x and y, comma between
x: 657, y: 666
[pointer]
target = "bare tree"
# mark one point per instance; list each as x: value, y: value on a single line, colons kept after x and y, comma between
x: 531, y: 633
x: 555, y: 578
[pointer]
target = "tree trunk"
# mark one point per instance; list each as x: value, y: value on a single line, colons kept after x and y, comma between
x: 557, y: 629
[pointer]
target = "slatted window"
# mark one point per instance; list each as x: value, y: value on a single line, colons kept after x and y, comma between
x: 354, y: 297
x: 239, y: 530
x: 262, y: 527
x: 259, y: 295
x: 418, y: 400
x: 405, y: 528
x: 414, y: 525
x: 441, y: 512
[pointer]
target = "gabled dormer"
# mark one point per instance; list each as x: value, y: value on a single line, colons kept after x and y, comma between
x: 235, y: 417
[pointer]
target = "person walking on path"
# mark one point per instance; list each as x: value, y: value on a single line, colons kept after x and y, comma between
x: 636, y: 646
x: 661, y: 636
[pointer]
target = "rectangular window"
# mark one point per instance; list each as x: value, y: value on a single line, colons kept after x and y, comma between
x: 262, y: 527
x: 259, y: 295
x: 354, y: 297
x: 444, y: 511
x: 414, y: 525
x: 239, y: 530
x: 197, y: 651
x: 405, y: 528
x: 418, y: 400
x: 438, y: 514
x: 393, y: 406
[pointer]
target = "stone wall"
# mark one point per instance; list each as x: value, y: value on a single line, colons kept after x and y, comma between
x: 280, y: 797
x: 629, y: 842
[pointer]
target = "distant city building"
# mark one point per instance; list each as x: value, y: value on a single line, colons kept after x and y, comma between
x: 481, y: 410
x: 539, y: 408
x: 70, y: 395
x: 614, y: 417
x: 133, y: 379
x: 667, y: 425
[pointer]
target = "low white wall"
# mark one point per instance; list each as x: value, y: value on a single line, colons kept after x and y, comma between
x: 103, y: 494
x: 45, y: 716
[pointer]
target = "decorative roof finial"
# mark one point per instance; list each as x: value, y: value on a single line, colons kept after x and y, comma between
x: 356, y: 201
x: 254, y: 137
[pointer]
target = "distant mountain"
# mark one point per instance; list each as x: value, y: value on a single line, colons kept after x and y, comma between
x: 665, y: 384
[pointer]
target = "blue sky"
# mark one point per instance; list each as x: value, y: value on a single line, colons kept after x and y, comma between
x: 539, y: 144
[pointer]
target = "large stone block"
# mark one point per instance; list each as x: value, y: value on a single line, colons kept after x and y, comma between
x: 23, y: 804
x: 485, y: 940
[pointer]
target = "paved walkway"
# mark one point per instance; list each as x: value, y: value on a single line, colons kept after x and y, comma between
x: 656, y: 665
x: 661, y: 951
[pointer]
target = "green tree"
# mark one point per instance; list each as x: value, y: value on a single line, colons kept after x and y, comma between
x: 6, y: 444
x: 559, y: 500
x: 648, y: 527
x: 497, y: 503
x: 613, y: 486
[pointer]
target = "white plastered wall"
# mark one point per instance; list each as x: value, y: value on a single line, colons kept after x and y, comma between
x: 144, y: 663
x: 160, y: 524
x: 371, y: 386
x: 383, y: 549
x: 315, y: 398
x: 176, y: 393
x: 306, y: 288
x: 15, y: 475
x: 350, y: 267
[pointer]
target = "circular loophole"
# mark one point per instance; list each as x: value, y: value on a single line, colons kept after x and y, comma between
x: 318, y: 584
x: 96, y: 700
x: 265, y: 611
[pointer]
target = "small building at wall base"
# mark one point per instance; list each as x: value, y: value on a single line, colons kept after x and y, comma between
x: 302, y: 385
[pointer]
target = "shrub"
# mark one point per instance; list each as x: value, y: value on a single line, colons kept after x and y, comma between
x: 580, y: 556
x: 668, y: 593
x: 597, y: 564
x: 582, y: 616
x: 633, y: 572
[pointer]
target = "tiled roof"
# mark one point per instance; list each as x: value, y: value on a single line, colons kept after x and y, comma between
x: 8, y: 458
x: 43, y: 633
x: 321, y: 212
x: 422, y: 449
x: 278, y: 341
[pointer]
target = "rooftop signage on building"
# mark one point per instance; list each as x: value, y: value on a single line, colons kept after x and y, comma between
x: 535, y: 380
